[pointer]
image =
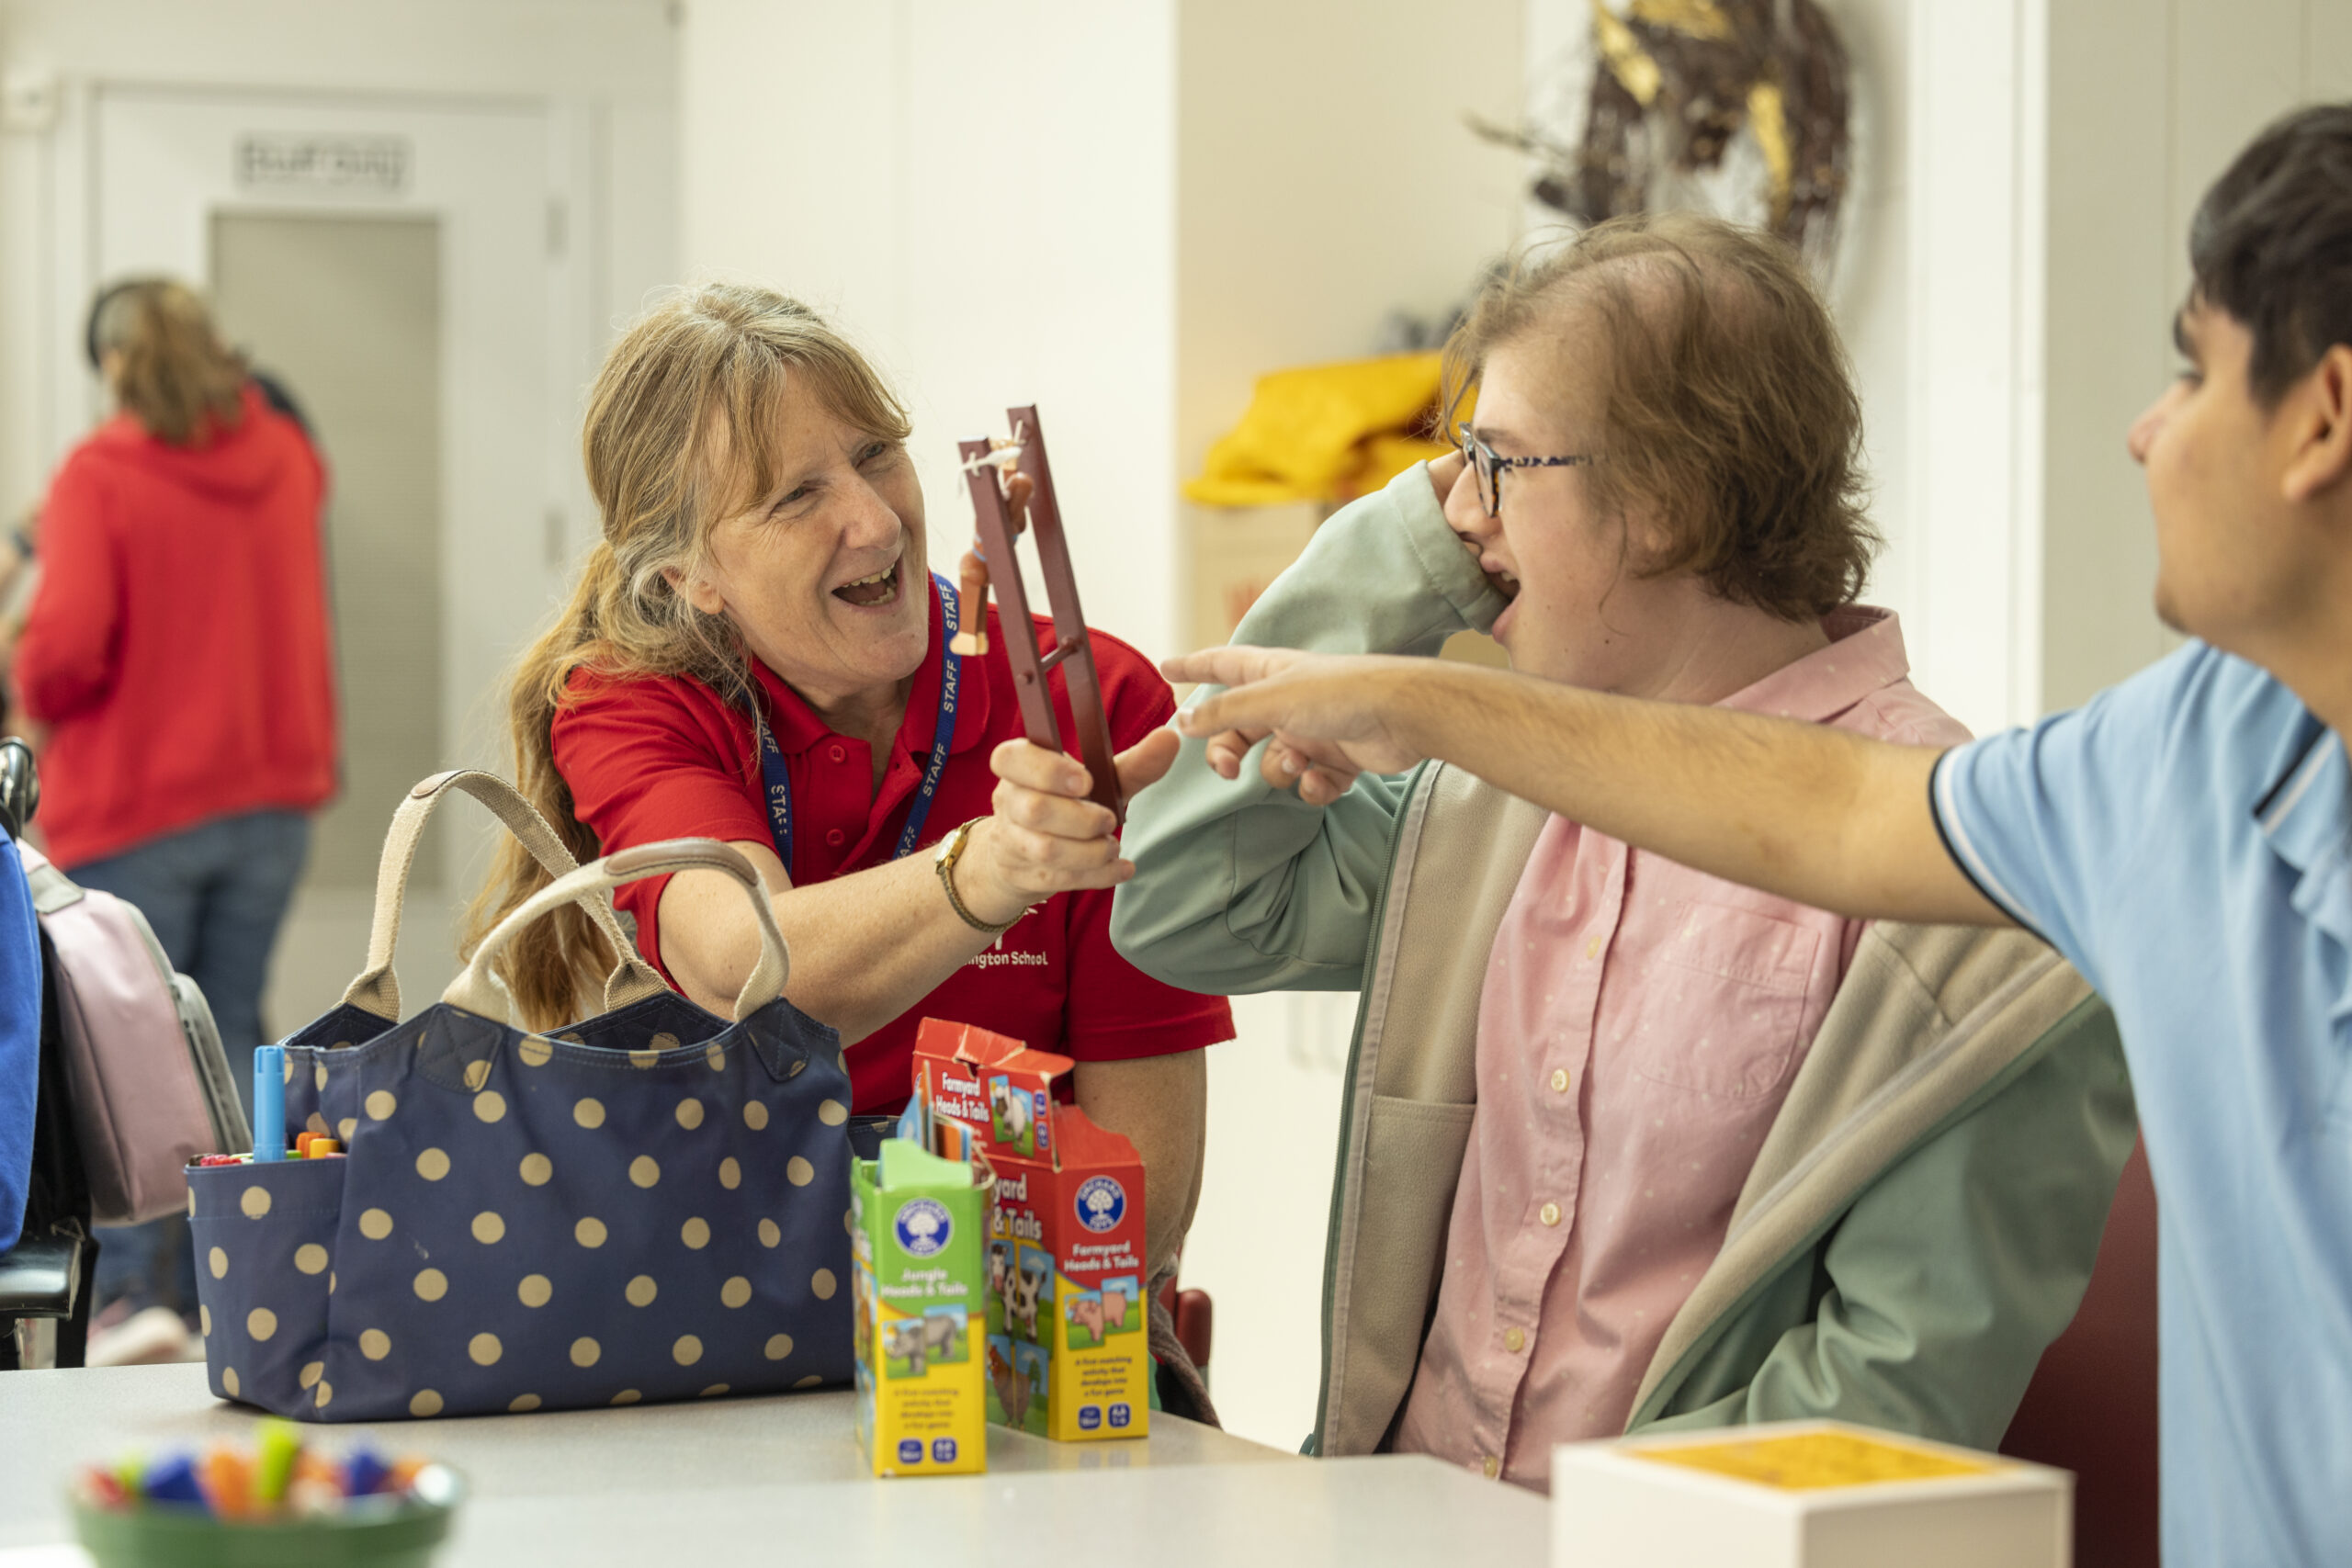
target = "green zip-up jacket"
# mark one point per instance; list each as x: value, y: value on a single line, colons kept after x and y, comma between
x: 1922, y: 1218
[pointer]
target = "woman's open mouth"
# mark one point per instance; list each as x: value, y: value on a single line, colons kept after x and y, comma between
x: 872, y: 592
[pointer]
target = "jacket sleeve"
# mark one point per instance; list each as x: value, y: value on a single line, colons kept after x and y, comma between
x: 1239, y: 887
x: 66, y: 658
x: 1941, y: 1341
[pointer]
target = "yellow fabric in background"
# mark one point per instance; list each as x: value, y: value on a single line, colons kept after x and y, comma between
x: 1325, y: 432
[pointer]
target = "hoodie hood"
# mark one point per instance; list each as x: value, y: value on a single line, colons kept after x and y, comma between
x: 235, y: 465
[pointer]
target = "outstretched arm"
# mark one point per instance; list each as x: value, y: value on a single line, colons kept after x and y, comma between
x: 1811, y: 813
x: 1252, y: 886
x: 867, y: 946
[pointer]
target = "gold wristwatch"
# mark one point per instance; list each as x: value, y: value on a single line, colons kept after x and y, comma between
x: 951, y: 850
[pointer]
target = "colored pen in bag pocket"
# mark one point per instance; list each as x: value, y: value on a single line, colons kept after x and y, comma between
x: 270, y: 1104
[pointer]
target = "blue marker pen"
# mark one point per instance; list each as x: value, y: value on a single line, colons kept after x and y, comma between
x: 270, y: 1103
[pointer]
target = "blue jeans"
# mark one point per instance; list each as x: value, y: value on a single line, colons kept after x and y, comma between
x: 215, y: 895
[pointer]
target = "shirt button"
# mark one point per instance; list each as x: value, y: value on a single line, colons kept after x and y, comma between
x: 1592, y: 948
x: 1514, y: 1340
x: 1559, y: 1080
x: 1549, y: 1213
x: 837, y: 754
x: 834, y: 837
x: 1494, y: 1467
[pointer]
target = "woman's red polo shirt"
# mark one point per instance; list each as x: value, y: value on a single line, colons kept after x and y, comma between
x: 665, y: 758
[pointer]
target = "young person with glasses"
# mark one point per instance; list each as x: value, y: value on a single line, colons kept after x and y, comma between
x: 1611, y: 1159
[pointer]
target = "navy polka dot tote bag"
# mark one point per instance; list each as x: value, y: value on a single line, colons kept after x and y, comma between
x: 651, y: 1204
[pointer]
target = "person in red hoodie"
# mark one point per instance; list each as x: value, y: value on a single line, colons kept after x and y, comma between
x: 177, y: 651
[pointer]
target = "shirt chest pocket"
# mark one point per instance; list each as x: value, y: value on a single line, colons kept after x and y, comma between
x: 1723, y: 1001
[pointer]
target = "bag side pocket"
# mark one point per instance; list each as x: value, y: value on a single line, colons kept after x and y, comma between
x: 265, y: 1266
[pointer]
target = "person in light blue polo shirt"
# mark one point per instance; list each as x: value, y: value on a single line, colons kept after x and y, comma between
x: 2185, y: 838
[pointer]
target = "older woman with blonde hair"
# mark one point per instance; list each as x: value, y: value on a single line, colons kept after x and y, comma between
x: 756, y: 653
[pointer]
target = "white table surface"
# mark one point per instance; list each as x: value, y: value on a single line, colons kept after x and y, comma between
x: 778, y: 1479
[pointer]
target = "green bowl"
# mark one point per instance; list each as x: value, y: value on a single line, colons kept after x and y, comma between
x: 377, y: 1532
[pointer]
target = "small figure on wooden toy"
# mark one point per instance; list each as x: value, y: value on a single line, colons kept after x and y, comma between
x: 971, y: 637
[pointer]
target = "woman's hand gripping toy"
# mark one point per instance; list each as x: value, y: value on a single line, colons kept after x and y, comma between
x: 1012, y: 489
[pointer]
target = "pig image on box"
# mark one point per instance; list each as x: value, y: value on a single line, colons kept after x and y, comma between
x: 1066, y: 1333
x: 919, y: 1288
x: 1094, y: 1315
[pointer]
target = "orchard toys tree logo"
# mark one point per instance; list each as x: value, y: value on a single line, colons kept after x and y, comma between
x: 1102, y: 1203
x: 923, y: 1226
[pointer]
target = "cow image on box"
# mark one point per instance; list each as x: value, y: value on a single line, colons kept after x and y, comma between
x: 1067, y: 1356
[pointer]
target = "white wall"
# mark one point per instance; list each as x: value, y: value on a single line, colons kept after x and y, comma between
x: 1326, y: 178
x: 982, y: 197
x: 2149, y: 103
x: 603, y: 67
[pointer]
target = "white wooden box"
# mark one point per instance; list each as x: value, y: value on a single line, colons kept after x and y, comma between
x: 1804, y: 1495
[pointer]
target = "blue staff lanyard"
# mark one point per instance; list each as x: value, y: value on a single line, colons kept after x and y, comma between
x: 779, y: 781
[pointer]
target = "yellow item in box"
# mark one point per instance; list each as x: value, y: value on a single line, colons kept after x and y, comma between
x: 1803, y: 1494
x: 1810, y: 1461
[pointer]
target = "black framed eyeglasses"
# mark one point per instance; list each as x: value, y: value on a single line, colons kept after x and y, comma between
x: 1490, y: 466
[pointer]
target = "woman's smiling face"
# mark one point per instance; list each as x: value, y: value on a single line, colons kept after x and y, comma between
x: 824, y: 576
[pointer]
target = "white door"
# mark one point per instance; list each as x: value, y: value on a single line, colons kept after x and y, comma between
x: 402, y: 264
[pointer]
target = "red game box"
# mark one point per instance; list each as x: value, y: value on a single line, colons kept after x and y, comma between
x: 1067, y: 1314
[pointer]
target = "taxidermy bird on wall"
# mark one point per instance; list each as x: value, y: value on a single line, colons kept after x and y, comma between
x: 1675, y: 83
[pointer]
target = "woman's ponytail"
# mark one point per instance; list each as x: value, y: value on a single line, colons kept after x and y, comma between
x: 556, y: 967
x: 170, y: 370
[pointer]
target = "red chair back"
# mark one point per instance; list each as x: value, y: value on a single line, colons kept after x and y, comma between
x: 2092, y: 1406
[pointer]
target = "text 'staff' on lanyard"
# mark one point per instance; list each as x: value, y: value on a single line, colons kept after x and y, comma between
x: 985, y: 463
x: 942, y: 734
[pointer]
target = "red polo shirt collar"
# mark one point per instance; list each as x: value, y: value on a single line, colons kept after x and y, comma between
x: 799, y: 732
x: 798, y: 728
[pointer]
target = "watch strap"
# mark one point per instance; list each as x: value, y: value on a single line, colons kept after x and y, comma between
x: 951, y: 850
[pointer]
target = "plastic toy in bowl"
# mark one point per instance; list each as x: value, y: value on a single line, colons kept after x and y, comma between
x: 281, y: 1504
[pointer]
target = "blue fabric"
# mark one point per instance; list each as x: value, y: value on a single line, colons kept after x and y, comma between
x: 214, y: 895
x: 651, y: 1205
x: 19, y: 1039
x: 2185, y: 840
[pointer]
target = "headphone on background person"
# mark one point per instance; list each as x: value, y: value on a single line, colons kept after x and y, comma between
x: 97, y: 308
x: 273, y: 391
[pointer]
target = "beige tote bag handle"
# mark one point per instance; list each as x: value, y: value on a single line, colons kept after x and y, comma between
x: 478, y: 988
x: 378, y: 990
